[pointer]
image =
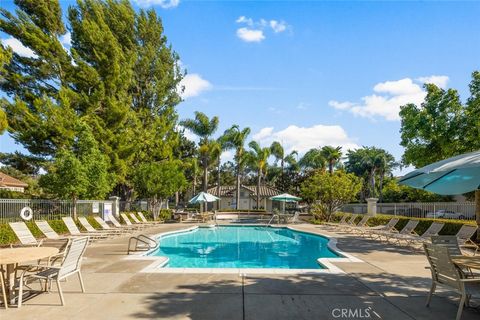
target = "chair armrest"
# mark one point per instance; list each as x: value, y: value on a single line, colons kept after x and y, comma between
x: 470, y: 280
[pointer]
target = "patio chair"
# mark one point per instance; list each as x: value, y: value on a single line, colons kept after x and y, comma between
x: 106, y: 227
x: 143, y: 219
x: 84, y: 222
x: 45, y: 228
x: 24, y: 234
x: 130, y: 224
x: 71, y: 265
x: 4, y: 289
x: 369, y: 231
x: 411, y: 239
x: 295, y: 218
x: 445, y: 272
x: 464, y: 236
x: 74, y: 231
x: 449, y: 242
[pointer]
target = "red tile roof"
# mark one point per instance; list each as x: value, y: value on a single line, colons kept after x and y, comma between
x: 8, y: 181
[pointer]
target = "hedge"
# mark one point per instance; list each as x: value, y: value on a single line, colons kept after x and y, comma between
x: 451, y: 226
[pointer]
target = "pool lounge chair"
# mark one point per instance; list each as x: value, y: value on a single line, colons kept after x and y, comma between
x: 360, y: 225
x: 143, y: 219
x: 71, y: 265
x: 449, y: 242
x: 136, y: 221
x: 464, y: 236
x: 45, y: 228
x: 412, y: 239
x: 342, y: 221
x: 74, y: 231
x: 130, y: 224
x: 369, y: 231
x: 129, y: 228
x: 24, y: 234
x: 106, y: 227
x: 84, y: 222
x: 444, y: 272
x: 409, y: 228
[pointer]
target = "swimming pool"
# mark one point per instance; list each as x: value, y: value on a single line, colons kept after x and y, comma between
x: 244, y: 247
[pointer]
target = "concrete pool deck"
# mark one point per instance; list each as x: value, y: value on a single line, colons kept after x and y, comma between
x: 390, y: 283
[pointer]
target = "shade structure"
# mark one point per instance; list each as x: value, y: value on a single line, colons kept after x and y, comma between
x: 203, y: 197
x: 456, y: 175
x: 285, y: 197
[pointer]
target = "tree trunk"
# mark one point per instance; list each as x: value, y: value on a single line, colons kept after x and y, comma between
x: 283, y: 175
x: 330, y: 166
x: 177, y: 199
x: 258, y: 189
x: 238, y: 187
x: 477, y: 211
x: 205, y: 178
x: 194, y: 184
x: 218, y: 184
x: 372, y: 181
x: 380, y: 186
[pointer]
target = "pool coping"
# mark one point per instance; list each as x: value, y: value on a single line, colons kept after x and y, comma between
x: 329, y: 268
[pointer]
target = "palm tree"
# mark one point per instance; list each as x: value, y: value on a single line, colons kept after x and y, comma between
x: 332, y: 155
x: 235, y: 139
x: 203, y: 127
x: 223, y: 146
x: 278, y: 152
x: 259, y: 160
x: 313, y: 159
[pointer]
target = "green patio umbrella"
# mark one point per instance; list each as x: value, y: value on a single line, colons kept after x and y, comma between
x: 203, y: 197
x: 285, y: 197
x: 456, y: 175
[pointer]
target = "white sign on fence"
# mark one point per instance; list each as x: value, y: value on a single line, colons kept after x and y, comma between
x: 107, y: 211
x: 95, y: 207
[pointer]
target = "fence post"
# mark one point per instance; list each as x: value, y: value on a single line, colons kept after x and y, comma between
x: 115, y: 206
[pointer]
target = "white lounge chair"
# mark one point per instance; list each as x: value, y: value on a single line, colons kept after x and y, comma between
x: 444, y: 272
x: 412, y: 239
x: 121, y: 226
x: 106, y: 227
x: 84, y: 222
x: 46, y: 229
x: 24, y: 234
x: 130, y: 224
x: 464, y: 236
x: 142, y: 217
x: 71, y: 265
x: 138, y: 222
x: 359, y: 226
x: 369, y: 231
x: 73, y: 229
x: 409, y: 228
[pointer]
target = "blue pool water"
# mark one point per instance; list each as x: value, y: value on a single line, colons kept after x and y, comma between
x: 244, y: 247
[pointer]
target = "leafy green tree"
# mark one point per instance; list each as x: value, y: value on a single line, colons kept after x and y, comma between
x: 330, y: 192
x: 158, y: 181
x: 235, y: 138
x: 79, y: 171
x: 332, y: 155
x: 259, y: 161
x: 120, y: 76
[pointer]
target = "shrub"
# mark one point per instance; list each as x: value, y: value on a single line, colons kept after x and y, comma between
x: 7, y: 235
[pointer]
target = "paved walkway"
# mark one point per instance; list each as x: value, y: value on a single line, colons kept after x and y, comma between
x: 391, y: 284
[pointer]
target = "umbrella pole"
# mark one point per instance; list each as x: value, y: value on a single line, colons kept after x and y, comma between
x: 477, y: 211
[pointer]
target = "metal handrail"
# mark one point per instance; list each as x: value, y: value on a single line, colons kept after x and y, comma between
x: 273, y: 217
x: 143, y: 239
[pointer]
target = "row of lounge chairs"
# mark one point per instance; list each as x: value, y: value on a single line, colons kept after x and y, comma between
x: 406, y: 235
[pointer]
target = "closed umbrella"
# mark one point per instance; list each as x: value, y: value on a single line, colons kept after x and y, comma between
x: 456, y: 175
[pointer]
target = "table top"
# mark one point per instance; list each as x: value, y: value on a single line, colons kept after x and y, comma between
x: 472, y: 262
x: 20, y: 255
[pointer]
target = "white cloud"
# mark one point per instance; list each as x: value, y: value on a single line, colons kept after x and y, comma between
x: 250, y: 35
x: 255, y: 30
x: 194, y: 84
x: 439, y: 81
x: 66, y: 39
x: 278, y: 26
x: 303, y: 139
x: 388, y: 96
x: 165, y: 4
x: 18, y: 47
x: 227, y: 155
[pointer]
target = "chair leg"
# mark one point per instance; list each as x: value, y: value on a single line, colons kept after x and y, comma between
x: 81, y: 281
x: 4, y: 291
x: 20, y: 292
x: 430, y: 294
x: 460, y: 306
x: 60, y: 293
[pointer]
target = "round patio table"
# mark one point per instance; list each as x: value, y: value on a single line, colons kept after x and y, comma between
x: 13, y: 256
x: 471, y: 262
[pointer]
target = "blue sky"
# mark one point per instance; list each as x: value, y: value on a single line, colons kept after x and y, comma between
x: 316, y: 73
